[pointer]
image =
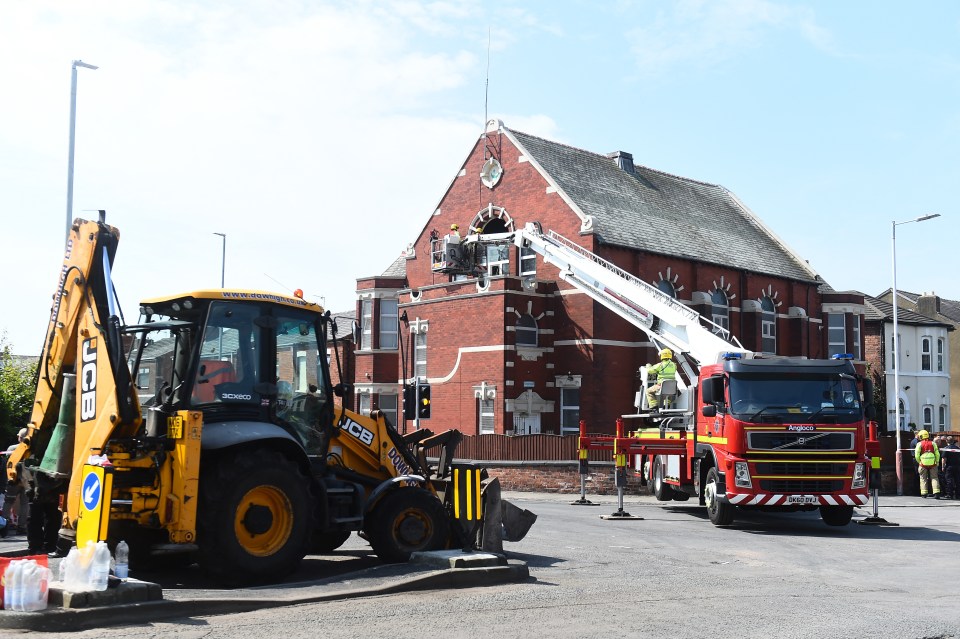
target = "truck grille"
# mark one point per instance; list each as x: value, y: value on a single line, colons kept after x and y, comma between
x: 799, y: 441
x: 801, y: 468
x: 802, y: 486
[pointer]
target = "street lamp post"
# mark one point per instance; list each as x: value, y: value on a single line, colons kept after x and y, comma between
x: 73, y: 131
x: 896, y: 350
x: 223, y: 258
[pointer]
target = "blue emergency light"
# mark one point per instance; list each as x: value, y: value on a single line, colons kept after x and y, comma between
x: 842, y: 356
x: 731, y: 355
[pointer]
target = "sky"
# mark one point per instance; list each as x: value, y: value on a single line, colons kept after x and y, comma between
x: 319, y: 136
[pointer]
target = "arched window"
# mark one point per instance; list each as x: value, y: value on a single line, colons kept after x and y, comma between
x: 940, y: 352
x: 943, y: 417
x: 925, y: 354
x: 928, y: 417
x: 768, y: 325
x: 720, y: 309
x: 667, y: 287
x: 526, y: 330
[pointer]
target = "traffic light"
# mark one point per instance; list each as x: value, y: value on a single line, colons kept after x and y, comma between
x: 423, y: 402
x: 409, y: 402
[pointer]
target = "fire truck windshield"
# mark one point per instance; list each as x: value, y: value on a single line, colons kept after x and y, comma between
x: 823, y: 399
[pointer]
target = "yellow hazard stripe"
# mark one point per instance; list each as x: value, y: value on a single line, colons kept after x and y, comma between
x: 456, y: 493
x: 469, y: 496
x: 712, y: 440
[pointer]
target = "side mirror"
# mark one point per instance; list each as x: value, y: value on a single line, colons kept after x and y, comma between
x: 709, y: 411
x: 341, y: 389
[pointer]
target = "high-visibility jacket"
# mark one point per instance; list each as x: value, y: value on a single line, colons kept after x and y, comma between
x: 666, y: 369
x: 927, y: 453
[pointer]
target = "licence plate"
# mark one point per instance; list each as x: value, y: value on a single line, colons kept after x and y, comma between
x: 802, y: 499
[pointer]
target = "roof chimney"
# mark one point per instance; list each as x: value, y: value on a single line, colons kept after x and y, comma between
x: 624, y: 160
x: 929, y: 304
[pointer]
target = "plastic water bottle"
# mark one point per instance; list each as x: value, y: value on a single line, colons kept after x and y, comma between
x: 122, y: 555
x: 34, y: 581
x: 100, y: 568
x: 13, y: 584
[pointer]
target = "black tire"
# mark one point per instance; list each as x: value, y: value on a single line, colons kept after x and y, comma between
x: 720, y: 512
x: 679, y: 495
x: 836, y: 515
x: 326, y: 543
x: 405, y: 521
x: 661, y: 490
x: 254, y: 518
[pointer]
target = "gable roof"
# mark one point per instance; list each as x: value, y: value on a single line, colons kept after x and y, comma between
x: 949, y: 309
x: 657, y: 212
x: 878, y: 310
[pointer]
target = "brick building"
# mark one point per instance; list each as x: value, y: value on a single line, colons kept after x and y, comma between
x: 519, y: 351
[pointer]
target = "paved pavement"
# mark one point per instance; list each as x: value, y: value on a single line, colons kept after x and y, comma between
x: 140, y: 601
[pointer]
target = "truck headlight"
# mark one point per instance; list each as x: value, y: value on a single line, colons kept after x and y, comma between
x: 741, y: 475
x: 859, y: 475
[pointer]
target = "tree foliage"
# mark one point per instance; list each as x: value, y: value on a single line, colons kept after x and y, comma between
x: 17, y: 389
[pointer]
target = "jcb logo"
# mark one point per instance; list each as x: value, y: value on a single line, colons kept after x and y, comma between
x: 359, y: 432
x: 88, y: 380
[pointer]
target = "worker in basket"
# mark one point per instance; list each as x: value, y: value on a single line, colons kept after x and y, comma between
x: 455, y: 231
x: 658, y: 373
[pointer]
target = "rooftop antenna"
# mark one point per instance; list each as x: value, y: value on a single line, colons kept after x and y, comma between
x: 486, y: 100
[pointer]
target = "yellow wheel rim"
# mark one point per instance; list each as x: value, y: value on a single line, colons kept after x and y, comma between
x: 263, y: 521
x: 412, y: 528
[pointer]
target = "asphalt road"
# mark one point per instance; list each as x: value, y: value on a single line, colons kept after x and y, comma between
x: 671, y: 574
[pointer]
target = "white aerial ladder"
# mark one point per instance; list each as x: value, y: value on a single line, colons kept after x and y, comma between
x: 693, y: 339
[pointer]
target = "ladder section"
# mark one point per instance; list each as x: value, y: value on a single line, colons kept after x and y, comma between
x: 665, y: 320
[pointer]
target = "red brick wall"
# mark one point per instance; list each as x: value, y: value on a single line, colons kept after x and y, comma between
x: 556, y: 478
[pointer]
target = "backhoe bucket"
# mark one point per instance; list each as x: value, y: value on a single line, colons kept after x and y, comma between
x: 57, y: 459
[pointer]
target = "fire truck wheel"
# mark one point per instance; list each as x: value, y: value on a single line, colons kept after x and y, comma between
x: 254, y: 517
x: 836, y: 515
x: 720, y: 512
x: 661, y: 490
x: 405, y: 521
x: 323, y: 543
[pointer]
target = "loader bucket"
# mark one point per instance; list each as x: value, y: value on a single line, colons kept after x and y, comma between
x: 502, y: 520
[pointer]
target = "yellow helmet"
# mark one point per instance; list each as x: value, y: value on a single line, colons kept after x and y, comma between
x: 923, y: 434
x: 454, y: 227
x: 666, y: 353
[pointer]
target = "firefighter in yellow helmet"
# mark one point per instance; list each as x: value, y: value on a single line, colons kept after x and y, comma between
x: 665, y: 369
x: 927, y: 455
x: 455, y: 230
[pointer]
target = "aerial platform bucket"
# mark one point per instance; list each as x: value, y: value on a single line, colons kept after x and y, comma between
x: 58, y: 458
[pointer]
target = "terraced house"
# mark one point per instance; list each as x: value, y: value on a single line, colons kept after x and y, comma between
x: 515, y: 349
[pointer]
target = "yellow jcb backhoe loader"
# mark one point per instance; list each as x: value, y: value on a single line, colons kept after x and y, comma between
x: 209, y: 431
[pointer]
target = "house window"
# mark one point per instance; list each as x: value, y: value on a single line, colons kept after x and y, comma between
x: 526, y: 330
x: 485, y: 416
x: 388, y: 406
x: 720, y: 311
x: 143, y: 379
x: 420, y: 355
x: 768, y: 325
x: 528, y: 262
x: 363, y: 404
x: 836, y: 334
x: 569, y: 411
x: 895, y: 352
x: 925, y: 354
x: 928, y: 416
x: 497, y: 259
x: 856, y: 337
x: 943, y: 417
x: 940, y: 351
x: 389, y: 325
x: 366, y: 330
